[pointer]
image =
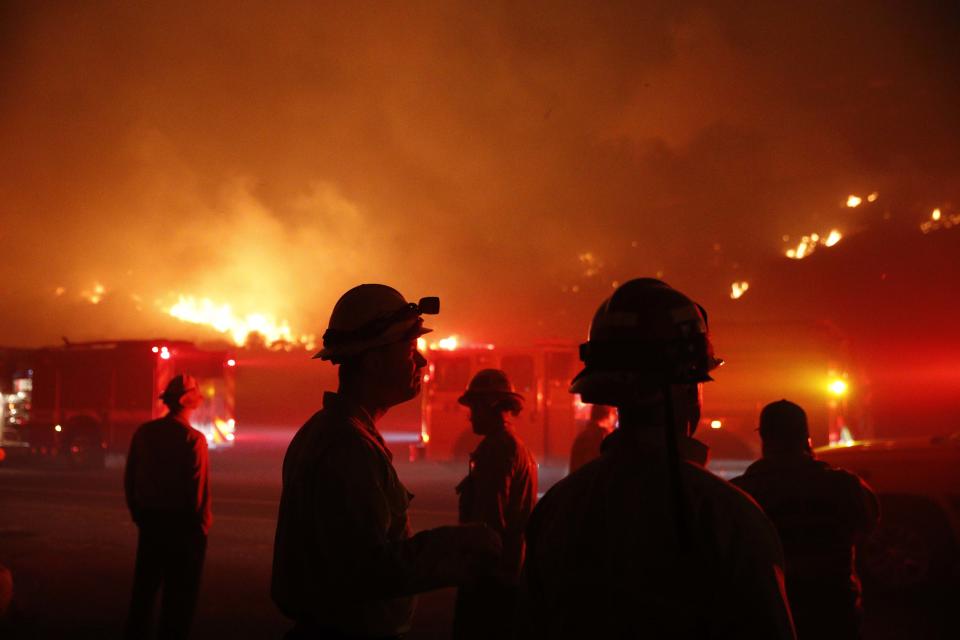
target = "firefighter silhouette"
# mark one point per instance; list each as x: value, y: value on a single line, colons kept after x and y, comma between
x: 499, y: 491
x: 586, y: 446
x: 166, y: 482
x: 821, y: 514
x: 345, y: 564
x: 639, y: 542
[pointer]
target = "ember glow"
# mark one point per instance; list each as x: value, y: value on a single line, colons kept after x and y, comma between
x: 854, y: 201
x: 222, y: 318
x: 737, y: 289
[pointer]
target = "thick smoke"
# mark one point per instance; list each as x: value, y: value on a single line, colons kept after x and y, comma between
x: 517, y: 161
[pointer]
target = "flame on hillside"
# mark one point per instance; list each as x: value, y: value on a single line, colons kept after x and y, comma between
x: 808, y: 244
x: 737, y: 289
x: 939, y: 220
x: 222, y: 318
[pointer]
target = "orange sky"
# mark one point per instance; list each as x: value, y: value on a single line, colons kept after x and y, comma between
x: 515, y: 161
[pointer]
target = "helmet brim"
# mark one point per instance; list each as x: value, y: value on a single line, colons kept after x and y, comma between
x: 586, y: 378
x: 389, y: 337
x: 489, y: 397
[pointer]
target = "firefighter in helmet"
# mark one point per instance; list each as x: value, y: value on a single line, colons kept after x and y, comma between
x: 499, y: 491
x: 586, y: 446
x: 345, y: 564
x: 642, y: 543
x: 166, y: 481
x: 821, y: 514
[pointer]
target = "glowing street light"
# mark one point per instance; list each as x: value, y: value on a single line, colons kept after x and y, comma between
x: 838, y: 387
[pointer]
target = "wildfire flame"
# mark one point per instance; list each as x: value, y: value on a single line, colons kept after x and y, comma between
x: 939, y: 220
x: 450, y: 343
x: 808, y: 244
x: 737, y: 289
x: 222, y: 318
x: 93, y: 296
x: 446, y: 344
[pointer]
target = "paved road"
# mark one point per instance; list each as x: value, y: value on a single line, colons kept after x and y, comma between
x: 68, y: 539
x: 70, y: 544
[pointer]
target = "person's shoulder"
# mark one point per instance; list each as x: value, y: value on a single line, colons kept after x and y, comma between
x: 504, y: 444
x: 724, y: 495
x: 151, y: 424
x: 750, y: 476
x: 849, y: 480
x: 578, y: 483
x: 510, y: 446
x: 150, y: 430
x: 338, y: 438
x: 196, y: 437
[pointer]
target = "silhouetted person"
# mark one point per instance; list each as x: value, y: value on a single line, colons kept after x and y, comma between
x: 499, y: 491
x: 167, y: 488
x: 639, y: 543
x: 821, y: 513
x: 344, y: 563
x: 586, y: 446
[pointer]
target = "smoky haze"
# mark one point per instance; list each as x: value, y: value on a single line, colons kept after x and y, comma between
x: 516, y: 161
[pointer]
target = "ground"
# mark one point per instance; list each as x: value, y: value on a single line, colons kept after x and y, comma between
x: 68, y: 539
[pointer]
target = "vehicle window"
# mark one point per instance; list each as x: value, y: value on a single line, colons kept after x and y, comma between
x: 521, y: 372
x: 451, y: 374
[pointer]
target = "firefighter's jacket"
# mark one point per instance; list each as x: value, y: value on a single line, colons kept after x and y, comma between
x: 821, y: 513
x: 500, y: 491
x: 343, y: 557
x: 605, y: 559
x: 167, y: 475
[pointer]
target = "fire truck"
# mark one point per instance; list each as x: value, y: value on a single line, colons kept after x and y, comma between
x: 805, y: 363
x: 81, y: 401
x: 551, y: 418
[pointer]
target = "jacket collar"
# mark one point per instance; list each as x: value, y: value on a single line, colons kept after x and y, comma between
x: 335, y: 403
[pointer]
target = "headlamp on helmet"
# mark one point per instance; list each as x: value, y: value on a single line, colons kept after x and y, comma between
x: 370, y: 316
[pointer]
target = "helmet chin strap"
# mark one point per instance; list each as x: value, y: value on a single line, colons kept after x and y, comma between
x: 674, y: 462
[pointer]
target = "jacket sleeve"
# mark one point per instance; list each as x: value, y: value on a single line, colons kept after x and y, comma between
x: 201, y: 482
x: 362, y: 553
x: 754, y: 603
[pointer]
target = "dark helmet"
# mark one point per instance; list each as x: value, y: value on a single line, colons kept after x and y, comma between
x: 370, y: 316
x: 643, y: 337
x: 492, y: 387
x: 177, y: 388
